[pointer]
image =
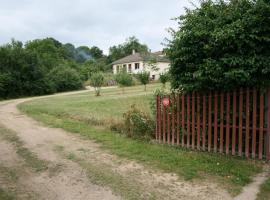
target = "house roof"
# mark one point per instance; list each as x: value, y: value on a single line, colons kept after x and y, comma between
x: 137, y: 57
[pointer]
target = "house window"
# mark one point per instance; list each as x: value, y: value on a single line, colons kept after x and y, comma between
x: 129, y: 68
x: 117, y: 68
x: 137, y: 65
x: 153, y: 77
x: 124, y: 67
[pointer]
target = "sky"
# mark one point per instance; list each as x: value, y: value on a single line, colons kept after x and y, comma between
x: 101, y: 23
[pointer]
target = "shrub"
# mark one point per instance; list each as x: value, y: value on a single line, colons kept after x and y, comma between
x: 97, y: 80
x: 138, y: 124
x: 65, y: 78
x: 143, y: 77
x: 124, y: 79
x: 164, y: 78
x: 221, y: 45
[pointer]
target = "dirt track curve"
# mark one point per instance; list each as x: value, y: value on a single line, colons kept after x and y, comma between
x: 69, y: 178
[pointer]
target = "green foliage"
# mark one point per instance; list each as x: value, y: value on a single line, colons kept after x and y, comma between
x: 65, y: 78
x: 221, y: 45
x: 138, y: 124
x: 125, y: 49
x: 124, y: 79
x: 97, y: 81
x: 164, y: 78
x: 143, y: 77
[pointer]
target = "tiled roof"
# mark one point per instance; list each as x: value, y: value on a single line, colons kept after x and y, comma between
x: 137, y: 57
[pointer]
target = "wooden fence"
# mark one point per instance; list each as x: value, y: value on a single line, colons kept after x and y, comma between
x: 236, y: 123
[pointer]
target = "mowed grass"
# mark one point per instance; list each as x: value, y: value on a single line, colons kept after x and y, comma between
x: 73, y: 112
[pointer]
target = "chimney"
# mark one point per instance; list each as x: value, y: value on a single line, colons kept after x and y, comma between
x: 133, y: 51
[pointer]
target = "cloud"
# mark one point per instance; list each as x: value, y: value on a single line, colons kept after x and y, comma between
x: 89, y: 22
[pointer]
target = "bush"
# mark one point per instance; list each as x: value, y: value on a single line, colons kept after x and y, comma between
x: 97, y: 80
x: 143, y: 77
x: 222, y: 45
x: 65, y: 78
x: 164, y: 78
x: 138, y: 124
x: 124, y: 79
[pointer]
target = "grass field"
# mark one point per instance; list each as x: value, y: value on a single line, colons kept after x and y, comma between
x: 75, y: 113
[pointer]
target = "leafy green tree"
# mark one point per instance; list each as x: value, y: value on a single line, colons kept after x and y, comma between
x: 143, y: 77
x: 124, y: 79
x: 97, y: 80
x: 222, y: 45
x: 96, y: 52
x: 125, y: 49
x: 164, y: 78
x: 64, y: 78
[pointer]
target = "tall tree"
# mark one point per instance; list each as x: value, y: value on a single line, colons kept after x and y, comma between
x: 122, y: 50
x: 222, y: 45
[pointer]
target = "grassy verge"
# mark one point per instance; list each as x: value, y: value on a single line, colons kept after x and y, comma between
x: 264, y: 193
x: 29, y: 157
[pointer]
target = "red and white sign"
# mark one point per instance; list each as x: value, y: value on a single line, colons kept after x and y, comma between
x: 166, y: 101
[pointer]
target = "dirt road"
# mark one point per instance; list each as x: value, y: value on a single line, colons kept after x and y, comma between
x: 80, y: 169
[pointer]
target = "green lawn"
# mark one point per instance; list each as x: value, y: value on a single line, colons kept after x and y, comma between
x: 75, y: 113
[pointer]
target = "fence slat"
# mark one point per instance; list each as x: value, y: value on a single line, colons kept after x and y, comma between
x: 173, y: 120
x: 234, y: 123
x: 188, y: 120
x: 254, y: 123
x: 178, y: 119
x: 193, y: 120
x: 247, y: 123
x: 215, y: 121
x: 221, y: 122
x: 261, y: 126
x: 183, y: 121
x: 240, y: 122
x: 198, y: 121
x: 209, y: 121
x: 204, y: 121
x: 157, y: 117
x: 169, y: 122
x: 228, y: 123
x: 267, y: 149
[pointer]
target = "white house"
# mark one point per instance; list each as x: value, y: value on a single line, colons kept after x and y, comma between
x: 155, y: 63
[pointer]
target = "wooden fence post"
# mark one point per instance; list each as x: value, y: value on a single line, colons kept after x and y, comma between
x: 268, y: 127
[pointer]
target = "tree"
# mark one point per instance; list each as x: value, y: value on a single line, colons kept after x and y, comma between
x: 164, y: 78
x: 221, y: 45
x: 96, y: 52
x: 124, y: 79
x: 143, y: 77
x: 125, y: 49
x: 97, y: 80
x: 64, y: 78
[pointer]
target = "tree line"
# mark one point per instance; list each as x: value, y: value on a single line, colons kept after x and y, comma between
x: 45, y: 66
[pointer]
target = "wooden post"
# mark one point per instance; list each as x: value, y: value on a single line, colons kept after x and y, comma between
x: 188, y: 121
x: 209, y: 121
x: 178, y: 119
x: 221, y: 122
x: 193, y: 120
x: 198, y: 122
x: 204, y: 121
x: 228, y: 123
x: 183, y: 121
x: 234, y: 124
x: 240, y: 145
x: 254, y: 123
x: 261, y: 126
x: 173, y: 119
x: 216, y: 122
x: 268, y: 127
x: 247, y: 124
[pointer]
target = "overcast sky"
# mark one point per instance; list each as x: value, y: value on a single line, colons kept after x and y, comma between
x: 102, y: 23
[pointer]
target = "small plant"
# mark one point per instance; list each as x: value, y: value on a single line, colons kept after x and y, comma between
x: 97, y: 80
x: 143, y: 77
x: 124, y: 79
x: 164, y: 78
x: 138, y: 124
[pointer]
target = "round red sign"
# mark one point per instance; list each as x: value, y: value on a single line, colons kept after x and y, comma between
x: 166, y: 101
